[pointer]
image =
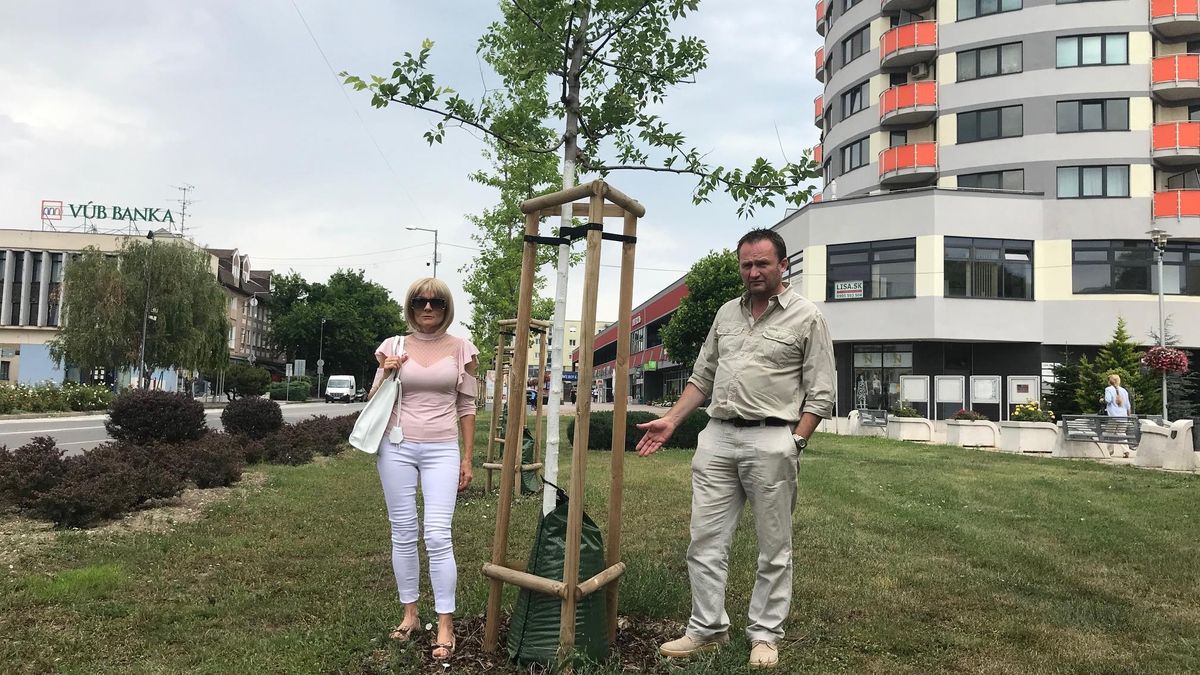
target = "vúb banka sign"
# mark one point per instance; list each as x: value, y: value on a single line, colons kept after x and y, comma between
x: 55, y: 210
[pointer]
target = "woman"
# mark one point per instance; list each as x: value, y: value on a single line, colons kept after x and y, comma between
x: 1116, y: 398
x: 437, y: 408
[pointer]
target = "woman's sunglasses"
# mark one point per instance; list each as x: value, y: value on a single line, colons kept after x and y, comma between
x: 419, y: 303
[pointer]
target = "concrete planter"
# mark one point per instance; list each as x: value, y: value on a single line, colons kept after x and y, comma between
x: 910, y: 429
x: 1038, y: 437
x: 855, y: 428
x: 972, y: 434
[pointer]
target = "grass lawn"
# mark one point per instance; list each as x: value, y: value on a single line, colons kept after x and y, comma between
x: 909, y: 558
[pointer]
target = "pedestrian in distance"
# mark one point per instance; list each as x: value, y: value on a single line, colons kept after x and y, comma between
x: 1116, y: 398
x: 422, y: 441
x: 767, y: 365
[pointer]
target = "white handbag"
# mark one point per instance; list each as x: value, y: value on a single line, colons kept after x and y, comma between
x: 373, y: 419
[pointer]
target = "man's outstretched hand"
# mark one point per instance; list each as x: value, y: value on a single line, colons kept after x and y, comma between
x: 658, y: 432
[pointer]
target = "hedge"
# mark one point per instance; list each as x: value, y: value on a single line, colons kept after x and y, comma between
x: 600, y: 430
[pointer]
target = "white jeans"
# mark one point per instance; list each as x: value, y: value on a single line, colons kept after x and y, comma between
x: 437, y: 465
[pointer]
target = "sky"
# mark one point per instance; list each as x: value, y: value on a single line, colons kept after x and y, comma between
x: 120, y: 102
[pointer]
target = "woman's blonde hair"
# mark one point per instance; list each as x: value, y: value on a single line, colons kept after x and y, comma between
x: 429, y: 288
x: 1114, y: 376
x: 1115, y: 380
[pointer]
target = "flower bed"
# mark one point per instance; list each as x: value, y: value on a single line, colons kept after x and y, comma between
x: 50, y: 397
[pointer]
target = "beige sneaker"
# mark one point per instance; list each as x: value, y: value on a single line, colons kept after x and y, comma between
x: 764, y: 654
x: 688, y: 646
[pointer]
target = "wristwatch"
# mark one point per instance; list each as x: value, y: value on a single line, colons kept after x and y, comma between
x: 800, y: 441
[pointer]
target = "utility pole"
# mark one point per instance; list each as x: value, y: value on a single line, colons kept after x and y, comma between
x: 144, y: 381
x: 435, y: 244
x: 1159, y: 237
x: 321, y: 357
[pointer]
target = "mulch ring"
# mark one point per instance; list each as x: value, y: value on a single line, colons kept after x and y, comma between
x: 636, y: 650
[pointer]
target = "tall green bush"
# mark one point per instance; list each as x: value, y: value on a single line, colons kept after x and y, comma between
x: 1120, y: 355
x: 600, y: 430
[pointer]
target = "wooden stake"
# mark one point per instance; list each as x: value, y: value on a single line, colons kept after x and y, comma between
x: 512, y: 439
x: 604, y: 578
x: 525, y: 580
x: 616, y: 489
x: 537, y: 433
x: 497, y: 393
x: 581, y: 209
x: 559, y: 198
x: 587, y: 330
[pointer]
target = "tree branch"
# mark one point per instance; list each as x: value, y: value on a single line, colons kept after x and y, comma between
x: 691, y: 172
x: 612, y: 33
x: 647, y: 73
x: 465, y: 122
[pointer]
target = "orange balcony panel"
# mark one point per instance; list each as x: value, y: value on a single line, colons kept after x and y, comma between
x: 908, y: 44
x: 908, y: 5
x: 1176, y: 143
x: 818, y: 154
x: 912, y: 164
x: 1175, y: 18
x: 819, y: 57
x: 819, y: 112
x: 822, y: 17
x: 1177, y: 204
x: 1176, y: 78
x: 817, y: 198
x: 908, y: 104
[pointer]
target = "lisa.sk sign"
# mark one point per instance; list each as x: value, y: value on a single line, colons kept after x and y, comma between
x: 55, y: 210
x: 847, y: 290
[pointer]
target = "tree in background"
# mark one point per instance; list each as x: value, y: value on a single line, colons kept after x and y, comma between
x: 242, y: 381
x: 1121, y: 355
x: 1061, y: 397
x: 359, y: 315
x: 169, y: 286
x: 712, y: 281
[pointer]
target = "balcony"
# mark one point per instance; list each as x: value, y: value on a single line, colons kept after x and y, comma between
x: 818, y: 154
x: 908, y: 165
x: 908, y: 104
x: 906, y: 45
x: 819, y: 57
x: 823, y: 16
x: 1173, y: 208
x: 1176, y: 78
x: 816, y: 198
x: 819, y: 114
x: 908, y: 5
x: 1175, y: 18
x: 1176, y: 143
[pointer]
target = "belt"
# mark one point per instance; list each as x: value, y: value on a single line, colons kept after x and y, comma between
x: 770, y: 422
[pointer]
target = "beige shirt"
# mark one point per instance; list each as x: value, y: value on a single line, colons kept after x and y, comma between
x: 778, y: 366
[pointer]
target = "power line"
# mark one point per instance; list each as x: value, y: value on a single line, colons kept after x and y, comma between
x: 350, y: 255
x: 365, y: 128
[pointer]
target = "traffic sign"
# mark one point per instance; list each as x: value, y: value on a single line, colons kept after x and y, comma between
x: 300, y: 369
x: 287, y: 370
x: 320, y: 363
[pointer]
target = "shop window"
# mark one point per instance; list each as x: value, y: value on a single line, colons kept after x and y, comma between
x: 879, y: 269
x: 877, y: 370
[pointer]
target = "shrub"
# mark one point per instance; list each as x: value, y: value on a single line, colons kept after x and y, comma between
x: 87, y: 396
x: 154, y: 471
x: 286, y: 446
x: 144, y: 416
x: 296, y: 391
x: 253, y: 417
x: 216, y: 460
x: 901, y: 410
x: 29, y: 470
x: 94, y: 486
x: 254, y: 450
x: 966, y: 415
x: 600, y: 430
x: 1031, y: 412
x: 322, y: 434
x: 246, y: 381
x: 345, y: 424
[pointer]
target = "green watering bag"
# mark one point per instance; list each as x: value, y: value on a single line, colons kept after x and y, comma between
x: 533, y: 632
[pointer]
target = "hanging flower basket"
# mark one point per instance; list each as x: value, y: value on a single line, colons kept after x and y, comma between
x: 1165, y: 360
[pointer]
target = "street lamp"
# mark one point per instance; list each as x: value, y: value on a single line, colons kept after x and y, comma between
x: 321, y: 357
x: 145, y: 318
x: 1159, y: 237
x: 435, y: 244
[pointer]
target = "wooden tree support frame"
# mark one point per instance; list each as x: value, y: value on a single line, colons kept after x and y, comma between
x: 505, y: 351
x: 499, y: 571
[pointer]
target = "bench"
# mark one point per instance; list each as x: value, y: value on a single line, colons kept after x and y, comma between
x: 868, y: 417
x: 1103, y: 429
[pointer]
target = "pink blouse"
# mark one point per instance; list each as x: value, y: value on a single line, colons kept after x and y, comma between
x: 436, y: 387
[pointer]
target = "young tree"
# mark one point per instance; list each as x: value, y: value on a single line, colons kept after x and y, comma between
x: 1061, y: 397
x: 1121, y: 355
x: 712, y: 281
x: 164, y: 292
x: 358, y: 314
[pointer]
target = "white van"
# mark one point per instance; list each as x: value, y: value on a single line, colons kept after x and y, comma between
x: 340, y: 388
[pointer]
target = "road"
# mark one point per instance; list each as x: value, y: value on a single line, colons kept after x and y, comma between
x: 77, y: 434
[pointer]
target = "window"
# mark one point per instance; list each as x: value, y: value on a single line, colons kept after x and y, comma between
x: 14, y: 318
x: 856, y: 45
x: 984, y: 125
x: 989, y: 268
x: 1129, y: 266
x: 35, y: 288
x: 1013, y: 179
x: 879, y: 269
x: 989, y: 61
x: 5, y: 370
x: 1188, y: 180
x: 1093, y: 50
x: 877, y: 371
x: 969, y: 9
x: 849, y: 3
x: 897, y: 138
x: 571, y: 343
x: 855, y: 99
x: 54, y: 297
x: 1082, y: 182
x: 1104, y: 114
x: 795, y: 266
x: 856, y: 154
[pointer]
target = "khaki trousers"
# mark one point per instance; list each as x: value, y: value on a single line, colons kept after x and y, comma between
x: 733, y: 465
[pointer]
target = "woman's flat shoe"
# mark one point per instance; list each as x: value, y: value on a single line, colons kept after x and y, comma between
x: 447, y: 649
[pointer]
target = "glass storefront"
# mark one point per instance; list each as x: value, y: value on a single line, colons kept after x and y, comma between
x: 877, y: 371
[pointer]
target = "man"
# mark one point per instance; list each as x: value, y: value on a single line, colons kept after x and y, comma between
x: 767, y: 364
